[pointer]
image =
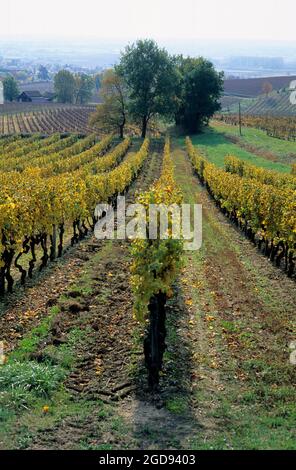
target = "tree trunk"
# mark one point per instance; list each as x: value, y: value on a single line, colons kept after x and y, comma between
x: 121, y: 127
x: 33, y: 259
x: 144, y: 126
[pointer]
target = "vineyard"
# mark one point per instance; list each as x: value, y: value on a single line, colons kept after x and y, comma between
x: 138, y: 343
x: 20, y: 108
x: 279, y: 127
x: 57, y: 186
x: 147, y: 233
x: 260, y: 202
x: 49, y: 120
x: 277, y: 105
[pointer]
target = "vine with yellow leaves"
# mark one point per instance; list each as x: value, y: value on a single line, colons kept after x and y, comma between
x: 280, y: 127
x: 265, y: 212
x: 35, y: 210
x: 242, y: 168
x: 155, y: 266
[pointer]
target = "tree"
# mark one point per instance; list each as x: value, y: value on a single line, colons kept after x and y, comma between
x: 22, y: 76
x: 112, y: 113
x: 97, y: 80
x: 267, y: 88
x: 151, y: 79
x: 84, y: 88
x: 10, y: 88
x: 43, y: 73
x: 65, y: 86
x: 199, y: 92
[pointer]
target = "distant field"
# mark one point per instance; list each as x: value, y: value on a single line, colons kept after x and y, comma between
x: 230, y: 103
x: 215, y: 146
x: 12, y: 108
x: 48, y: 120
x: 276, y: 105
x: 252, y: 87
x: 283, y: 151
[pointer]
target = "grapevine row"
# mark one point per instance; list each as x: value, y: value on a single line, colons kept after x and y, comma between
x: 89, y: 158
x: 47, y: 121
x: 51, y: 145
x: 242, y: 168
x: 53, y: 148
x: 155, y: 265
x: 35, y: 210
x: 266, y: 213
x: 38, y: 161
x: 21, y: 146
x: 274, y: 126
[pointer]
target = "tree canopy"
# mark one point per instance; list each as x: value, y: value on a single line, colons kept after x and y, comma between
x: 10, y: 88
x: 84, y: 88
x: 65, y: 86
x: 199, y: 92
x: 70, y: 88
x: 151, y: 79
x: 43, y: 73
x: 97, y: 80
x: 111, y: 115
x: 149, y: 83
x: 267, y: 88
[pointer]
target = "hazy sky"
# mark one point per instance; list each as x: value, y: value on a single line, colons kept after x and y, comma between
x: 160, y: 19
